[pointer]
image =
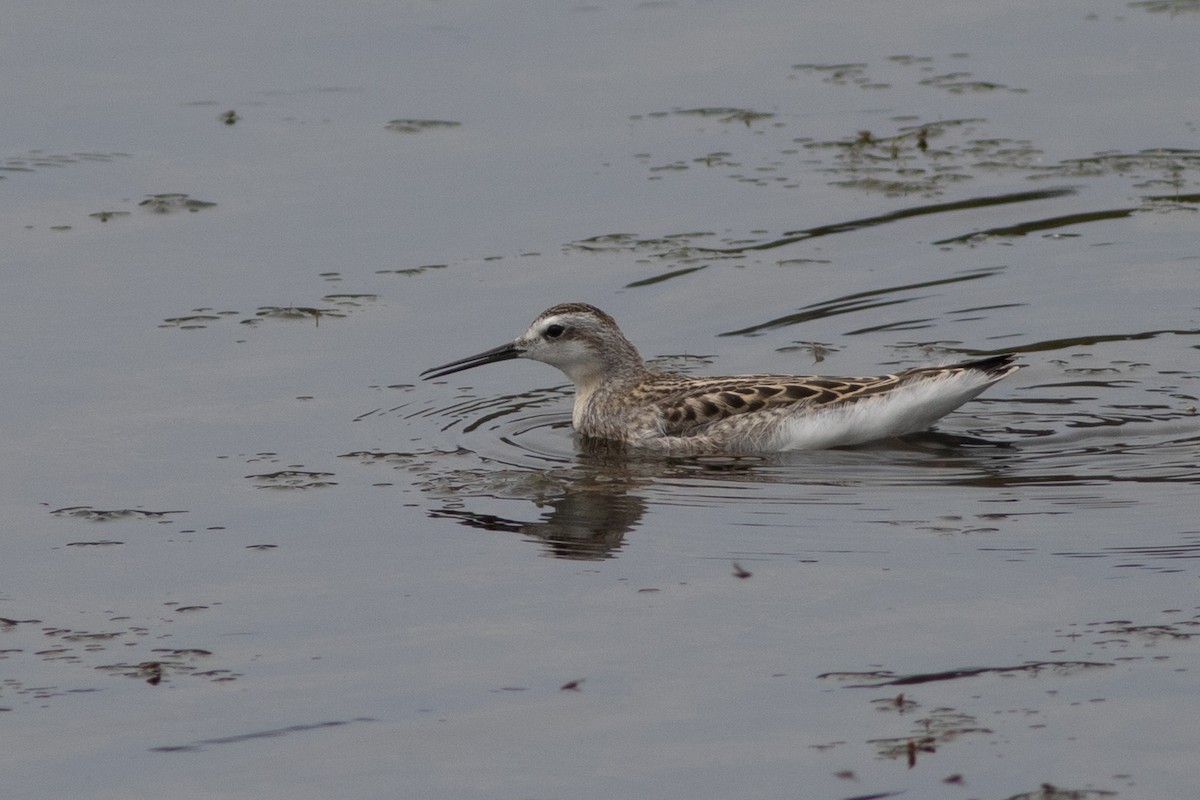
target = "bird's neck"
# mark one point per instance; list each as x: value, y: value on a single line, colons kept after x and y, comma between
x: 595, y: 389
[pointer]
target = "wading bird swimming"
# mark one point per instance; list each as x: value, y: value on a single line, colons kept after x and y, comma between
x: 620, y: 399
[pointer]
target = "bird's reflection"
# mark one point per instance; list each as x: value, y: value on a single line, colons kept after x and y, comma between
x: 598, y: 495
x: 597, y: 507
x: 586, y: 523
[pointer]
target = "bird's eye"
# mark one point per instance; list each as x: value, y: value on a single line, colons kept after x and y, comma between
x: 555, y: 331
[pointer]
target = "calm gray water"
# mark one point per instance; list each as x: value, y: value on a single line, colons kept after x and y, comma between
x: 248, y: 554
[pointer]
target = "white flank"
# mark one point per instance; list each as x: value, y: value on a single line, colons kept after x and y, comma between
x: 907, y: 409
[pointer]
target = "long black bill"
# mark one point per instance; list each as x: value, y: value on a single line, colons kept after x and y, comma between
x: 502, y: 353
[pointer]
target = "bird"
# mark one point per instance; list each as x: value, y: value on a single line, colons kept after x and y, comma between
x: 620, y: 399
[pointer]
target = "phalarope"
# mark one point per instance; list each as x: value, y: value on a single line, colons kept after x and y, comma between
x: 619, y: 398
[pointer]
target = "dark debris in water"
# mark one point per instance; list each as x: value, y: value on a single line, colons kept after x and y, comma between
x: 898, y: 704
x: 292, y: 313
x: 1124, y: 633
x: 930, y: 731
x: 1032, y: 668
x: 682, y: 362
x: 816, y: 350
x: 350, y: 300
x: 340, y: 305
x: 1171, y: 7
x: 963, y: 83
x: 938, y: 728
x: 1050, y: 792
x: 925, y: 159
x: 908, y: 155
x: 419, y: 125
x: 105, y: 216
x: 292, y: 479
x: 197, y: 320
x: 410, y: 270
x: 682, y: 248
x: 955, y: 81
x: 108, y: 515
x: 174, y: 201
x: 142, y: 655
x: 170, y: 663
x: 847, y: 74
x: 744, y: 116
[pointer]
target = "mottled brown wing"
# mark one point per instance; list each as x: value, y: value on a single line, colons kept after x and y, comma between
x: 700, y: 402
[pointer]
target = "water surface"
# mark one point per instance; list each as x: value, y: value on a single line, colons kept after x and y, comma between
x: 247, y: 553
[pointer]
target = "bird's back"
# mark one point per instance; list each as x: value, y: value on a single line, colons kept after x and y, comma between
x: 680, y: 413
